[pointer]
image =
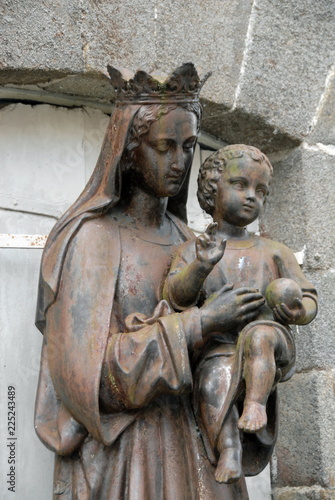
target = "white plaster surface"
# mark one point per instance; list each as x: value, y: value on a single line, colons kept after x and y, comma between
x: 46, y: 157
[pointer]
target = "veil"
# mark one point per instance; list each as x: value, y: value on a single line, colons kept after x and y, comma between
x: 101, y: 193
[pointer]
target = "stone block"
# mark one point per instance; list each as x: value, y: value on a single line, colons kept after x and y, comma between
x: 319, y: 180
x: 305, y: 450
x: 284, y: 74
x: 51, y: 40
x: 238, y: 126
x: 315, y: 342
x: 212, y: 35
x: 118, y: 33
x: 41, y: 35
x: 313, y: 493
x: 162, y: 35
x: 268, y: 80
x: 94, y: 85
x: 300, y: 211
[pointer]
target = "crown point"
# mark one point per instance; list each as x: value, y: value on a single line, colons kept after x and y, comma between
x: 183, y: 85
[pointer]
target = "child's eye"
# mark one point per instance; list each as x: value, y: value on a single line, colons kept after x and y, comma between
x: 261, y: 192
x: 238, y: 184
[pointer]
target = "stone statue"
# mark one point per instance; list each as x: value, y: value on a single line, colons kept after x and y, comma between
x: 114, y: 399
x: 257, y: 351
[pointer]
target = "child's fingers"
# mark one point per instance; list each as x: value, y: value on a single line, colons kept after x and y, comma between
x: 286, y: 310
x: 211, y: 229
x: 281, y: 315
x: 298, y: 303
x: 277, y: 316
x: 204, y: 240
x: 223, y: 245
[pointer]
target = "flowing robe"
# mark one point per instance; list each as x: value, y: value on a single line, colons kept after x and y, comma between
x: 114, y: 396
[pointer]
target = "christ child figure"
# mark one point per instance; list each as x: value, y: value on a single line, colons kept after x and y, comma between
x: 257, y: 350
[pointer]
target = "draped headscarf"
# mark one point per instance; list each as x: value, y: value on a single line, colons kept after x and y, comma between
x: 101, y: 193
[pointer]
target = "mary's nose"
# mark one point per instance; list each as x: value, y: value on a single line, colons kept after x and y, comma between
x: 178, y: 160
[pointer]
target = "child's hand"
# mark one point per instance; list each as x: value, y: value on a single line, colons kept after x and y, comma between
x: 284, y: 297
x: 288, y: 315
x: 206, y: 246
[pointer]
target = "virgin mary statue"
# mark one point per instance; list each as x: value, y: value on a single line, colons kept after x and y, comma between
x: 114, y: 394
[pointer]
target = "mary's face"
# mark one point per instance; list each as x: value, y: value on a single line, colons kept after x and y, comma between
x: 165, y: 154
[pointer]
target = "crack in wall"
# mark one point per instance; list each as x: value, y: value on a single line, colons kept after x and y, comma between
x: 155, y: 30
x: 248, y: 43
x: 327, y: 88
x: 329, y: 149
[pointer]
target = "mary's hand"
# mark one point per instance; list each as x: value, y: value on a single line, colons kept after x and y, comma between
x: 226, y: 309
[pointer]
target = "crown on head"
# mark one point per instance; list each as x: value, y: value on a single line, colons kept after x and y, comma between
x: 182, y: 86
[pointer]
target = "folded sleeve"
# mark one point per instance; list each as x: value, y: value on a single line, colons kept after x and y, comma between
x: 151, y: 358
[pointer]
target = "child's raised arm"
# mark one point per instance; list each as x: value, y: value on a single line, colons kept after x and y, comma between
x: 185, y: 280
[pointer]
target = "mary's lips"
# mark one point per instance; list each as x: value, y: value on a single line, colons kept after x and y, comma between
x: 173, y: 177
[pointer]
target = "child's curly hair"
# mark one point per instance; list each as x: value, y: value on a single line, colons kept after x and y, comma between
x: 212, y: 168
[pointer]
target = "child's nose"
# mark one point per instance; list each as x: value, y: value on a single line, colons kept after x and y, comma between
x: 251, y: 195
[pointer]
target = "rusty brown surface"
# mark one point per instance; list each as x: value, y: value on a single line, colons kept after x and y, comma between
x: 119, y: 369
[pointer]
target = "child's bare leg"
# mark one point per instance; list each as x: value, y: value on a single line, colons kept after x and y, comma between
x: 212, y: 381
x: 259, y: 374
x: 229, y: 466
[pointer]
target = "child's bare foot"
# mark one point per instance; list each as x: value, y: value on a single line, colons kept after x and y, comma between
x: 229, y: 469
x: 253, y: 417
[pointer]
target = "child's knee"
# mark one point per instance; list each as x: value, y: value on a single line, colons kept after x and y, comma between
x: 262, y: 337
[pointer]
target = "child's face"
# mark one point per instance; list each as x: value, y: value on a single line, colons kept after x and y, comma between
x: 241, y: 192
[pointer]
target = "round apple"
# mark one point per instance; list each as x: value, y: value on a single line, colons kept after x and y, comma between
x: 283, y: 291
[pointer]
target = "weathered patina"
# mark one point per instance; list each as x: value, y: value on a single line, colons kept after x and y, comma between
x: 115, y: 392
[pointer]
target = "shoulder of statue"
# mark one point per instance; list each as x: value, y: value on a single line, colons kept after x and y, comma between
x: 183, y: 228
x: 278, y: 249
x: 95, y: 232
